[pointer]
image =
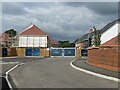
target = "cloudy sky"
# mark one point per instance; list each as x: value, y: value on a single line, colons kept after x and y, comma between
x: 63, y: 20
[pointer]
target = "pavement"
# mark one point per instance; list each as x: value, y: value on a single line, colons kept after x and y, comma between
x: 81, y: 63
x: 56, y: 73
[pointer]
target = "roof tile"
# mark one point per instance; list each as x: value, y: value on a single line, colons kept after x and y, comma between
x: 33, y: 30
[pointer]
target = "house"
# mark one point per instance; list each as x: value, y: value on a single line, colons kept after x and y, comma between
x: 109, y: 36
x: 33, y: 41
x: 54, y: 43
x: 106, y: 32
x: 110, y: 33
x: 84, y: 41
x: 82, y: 44
x: 4, y: 40
x: 106, y: 55
x: 32, y: 36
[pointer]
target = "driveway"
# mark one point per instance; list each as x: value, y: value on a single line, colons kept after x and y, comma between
x: 56, y: 73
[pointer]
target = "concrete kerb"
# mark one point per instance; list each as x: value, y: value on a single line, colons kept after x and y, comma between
x: 7, y: 75
x: 95, y: 74
x: 8, y: 57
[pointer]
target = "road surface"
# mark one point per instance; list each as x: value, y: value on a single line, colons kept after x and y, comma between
x: 56, y: 73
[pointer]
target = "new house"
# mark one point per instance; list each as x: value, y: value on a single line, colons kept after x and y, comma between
x: 33, y: 41
x: 32, y: 36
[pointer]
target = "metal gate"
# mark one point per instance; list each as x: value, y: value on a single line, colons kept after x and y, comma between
x: 56, y: 52
x: 62, y: 52
x: 4, y: 52
x: 69, y: 52
x: 84, y: 52
x: 32, y: 51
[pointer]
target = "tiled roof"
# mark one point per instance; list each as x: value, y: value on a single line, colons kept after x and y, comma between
x: 32, y: 30
x: 106, y: 27
x: 54, y: 42
x: 4, y: 37
x: 85, y: 37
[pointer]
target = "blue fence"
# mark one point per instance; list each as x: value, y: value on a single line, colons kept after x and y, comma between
x: 56, y: 52
x: 32, y: 51
x: 69, y: 52
x: 62, y: 52
x: 84, y: 52
x: 4, y: 52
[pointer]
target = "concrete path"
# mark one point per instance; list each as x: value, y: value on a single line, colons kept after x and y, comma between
x: 56, y: 73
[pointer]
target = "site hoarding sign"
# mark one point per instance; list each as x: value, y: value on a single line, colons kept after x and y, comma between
x: 56, y: 52
x: 32, y: 52
x: 69, y: 52
x: 63, y: 52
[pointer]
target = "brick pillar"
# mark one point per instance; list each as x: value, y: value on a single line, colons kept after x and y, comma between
x: 78, y: 52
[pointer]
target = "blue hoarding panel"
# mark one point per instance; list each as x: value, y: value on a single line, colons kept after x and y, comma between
x: 4, y: 52
x: 84, y: 52
x: 32, y: 52
x: 56, y: 52
x: 69, y: 52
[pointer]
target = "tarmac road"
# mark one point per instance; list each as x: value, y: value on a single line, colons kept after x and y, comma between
x: 56, y: 73
x: 8, y: 63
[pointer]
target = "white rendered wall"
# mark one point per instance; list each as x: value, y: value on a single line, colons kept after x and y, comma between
x: 22, y: 41
x: 77, y: 45
x: 43, y: 41
x: 32, y: 41
x: 110, y: 33
x: 36, y: 41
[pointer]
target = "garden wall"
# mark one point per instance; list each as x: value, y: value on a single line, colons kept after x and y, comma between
x: 105, y: 57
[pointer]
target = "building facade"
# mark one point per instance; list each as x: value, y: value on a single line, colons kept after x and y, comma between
x: 33, y: 42
x: 4, y: 40
x: 32, y: 36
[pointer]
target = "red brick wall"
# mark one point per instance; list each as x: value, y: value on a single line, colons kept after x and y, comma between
x: 104, y: 57
x: 12, y: 52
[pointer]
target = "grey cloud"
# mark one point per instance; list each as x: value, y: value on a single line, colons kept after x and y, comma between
x: 103, y: 8
x: 64, y: 21
x: 119, y: 9
x: 34, y: 5
x: 13, y: 9
x: 66, y: 35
